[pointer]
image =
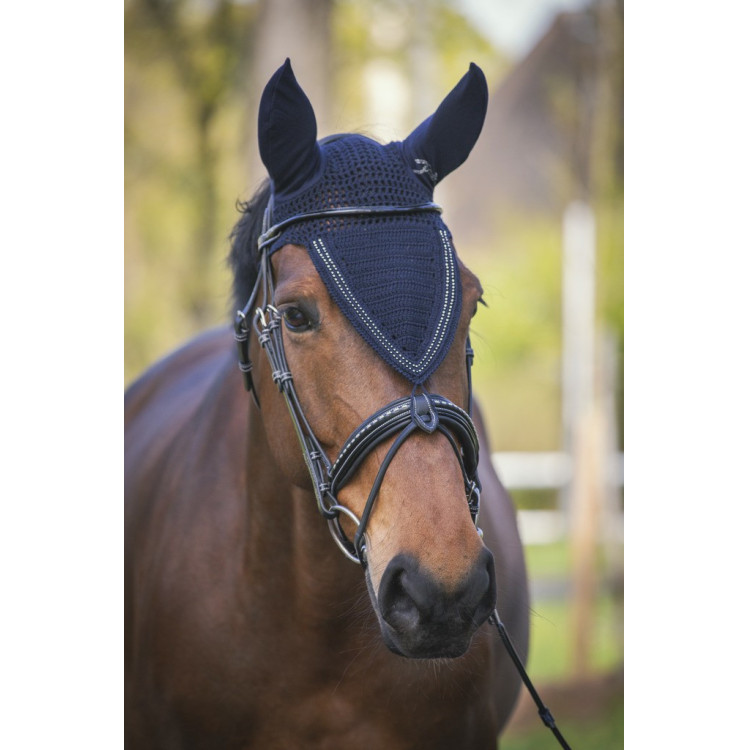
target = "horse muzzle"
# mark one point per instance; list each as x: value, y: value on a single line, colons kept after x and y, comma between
x: 419, y: 619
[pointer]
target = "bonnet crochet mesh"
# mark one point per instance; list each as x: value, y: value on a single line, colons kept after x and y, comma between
x: 394, y: 277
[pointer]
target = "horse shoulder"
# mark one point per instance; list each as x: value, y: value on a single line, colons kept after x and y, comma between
x: 185, y: 431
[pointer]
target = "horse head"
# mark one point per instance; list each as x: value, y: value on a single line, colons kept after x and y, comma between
x: 364, y: 310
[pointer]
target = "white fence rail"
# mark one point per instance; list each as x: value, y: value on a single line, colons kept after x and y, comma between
x: 550, y: 470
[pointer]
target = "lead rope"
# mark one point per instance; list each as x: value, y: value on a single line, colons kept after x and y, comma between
x: 544, y: 713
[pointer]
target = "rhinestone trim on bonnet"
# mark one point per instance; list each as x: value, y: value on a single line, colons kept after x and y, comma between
x: 394, y: 275
x: 395, y: 278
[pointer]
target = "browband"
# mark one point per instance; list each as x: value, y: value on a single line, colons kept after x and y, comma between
x: 272, y: 233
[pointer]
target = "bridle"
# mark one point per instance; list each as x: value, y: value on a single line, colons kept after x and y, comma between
x: 419, y: 411
x: 403, y: 417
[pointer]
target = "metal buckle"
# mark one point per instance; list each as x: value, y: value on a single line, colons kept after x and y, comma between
x: 343, y: 542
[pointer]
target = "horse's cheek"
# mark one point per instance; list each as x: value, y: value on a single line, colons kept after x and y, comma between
x: 283, y: 443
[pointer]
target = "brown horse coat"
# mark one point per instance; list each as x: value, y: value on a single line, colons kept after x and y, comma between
x: 245, y: 626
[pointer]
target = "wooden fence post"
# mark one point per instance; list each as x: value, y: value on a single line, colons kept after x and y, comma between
x: 586, y: 503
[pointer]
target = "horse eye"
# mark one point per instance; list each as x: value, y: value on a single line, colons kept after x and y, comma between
x: 295, y: 320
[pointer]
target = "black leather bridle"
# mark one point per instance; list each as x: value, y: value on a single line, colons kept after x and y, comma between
x: 419, y: 411
x: 423, y: 411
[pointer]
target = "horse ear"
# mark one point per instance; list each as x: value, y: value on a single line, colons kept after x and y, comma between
x: 443, y: 141
x: 287, y: 132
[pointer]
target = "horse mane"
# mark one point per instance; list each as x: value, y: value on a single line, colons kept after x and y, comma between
x: 243, y: 251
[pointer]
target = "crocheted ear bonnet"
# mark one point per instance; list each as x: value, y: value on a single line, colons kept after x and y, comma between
x: 393, y: 275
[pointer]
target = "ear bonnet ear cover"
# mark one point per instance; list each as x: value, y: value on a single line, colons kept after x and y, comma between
x: 287, y: 133
x: 394, y: 277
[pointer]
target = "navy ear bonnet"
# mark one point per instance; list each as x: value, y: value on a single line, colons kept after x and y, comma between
x: 393, y: 275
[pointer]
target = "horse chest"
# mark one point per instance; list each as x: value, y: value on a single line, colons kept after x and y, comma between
x: 292, y: 692
x: 361, y: 695
x: 338, y: 716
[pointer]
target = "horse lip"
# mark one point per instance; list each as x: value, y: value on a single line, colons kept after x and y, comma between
x: 432, y: 648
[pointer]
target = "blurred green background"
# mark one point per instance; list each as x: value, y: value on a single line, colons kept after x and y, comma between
x: 194, y: 70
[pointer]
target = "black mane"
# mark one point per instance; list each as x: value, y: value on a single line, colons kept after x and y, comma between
x: 243, y: 252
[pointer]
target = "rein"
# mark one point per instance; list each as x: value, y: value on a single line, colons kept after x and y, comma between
x: 544, y: 713
x: 419, y: 411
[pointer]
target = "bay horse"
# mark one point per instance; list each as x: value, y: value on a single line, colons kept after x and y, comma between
x: 245, y: 626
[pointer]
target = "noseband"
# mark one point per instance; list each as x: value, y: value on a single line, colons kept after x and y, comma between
x: 423, y: 411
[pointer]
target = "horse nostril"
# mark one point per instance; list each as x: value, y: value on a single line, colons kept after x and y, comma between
x: 401, y: 598
x: 410, y: 598
x: 421, y: 618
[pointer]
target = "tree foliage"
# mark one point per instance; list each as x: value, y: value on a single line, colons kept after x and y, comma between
x: 193, y: 71
x: 190, y: 89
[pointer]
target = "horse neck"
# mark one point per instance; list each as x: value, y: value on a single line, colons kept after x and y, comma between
x: 288, y: 548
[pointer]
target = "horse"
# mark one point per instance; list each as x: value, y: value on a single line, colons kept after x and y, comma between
x: 245, y: 625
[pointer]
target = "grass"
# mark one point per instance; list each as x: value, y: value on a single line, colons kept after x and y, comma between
x: 551, y: 658
x: 552, y: 633
x: 552, y: 622
x: 605, y: 732
x: 548, y: 560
